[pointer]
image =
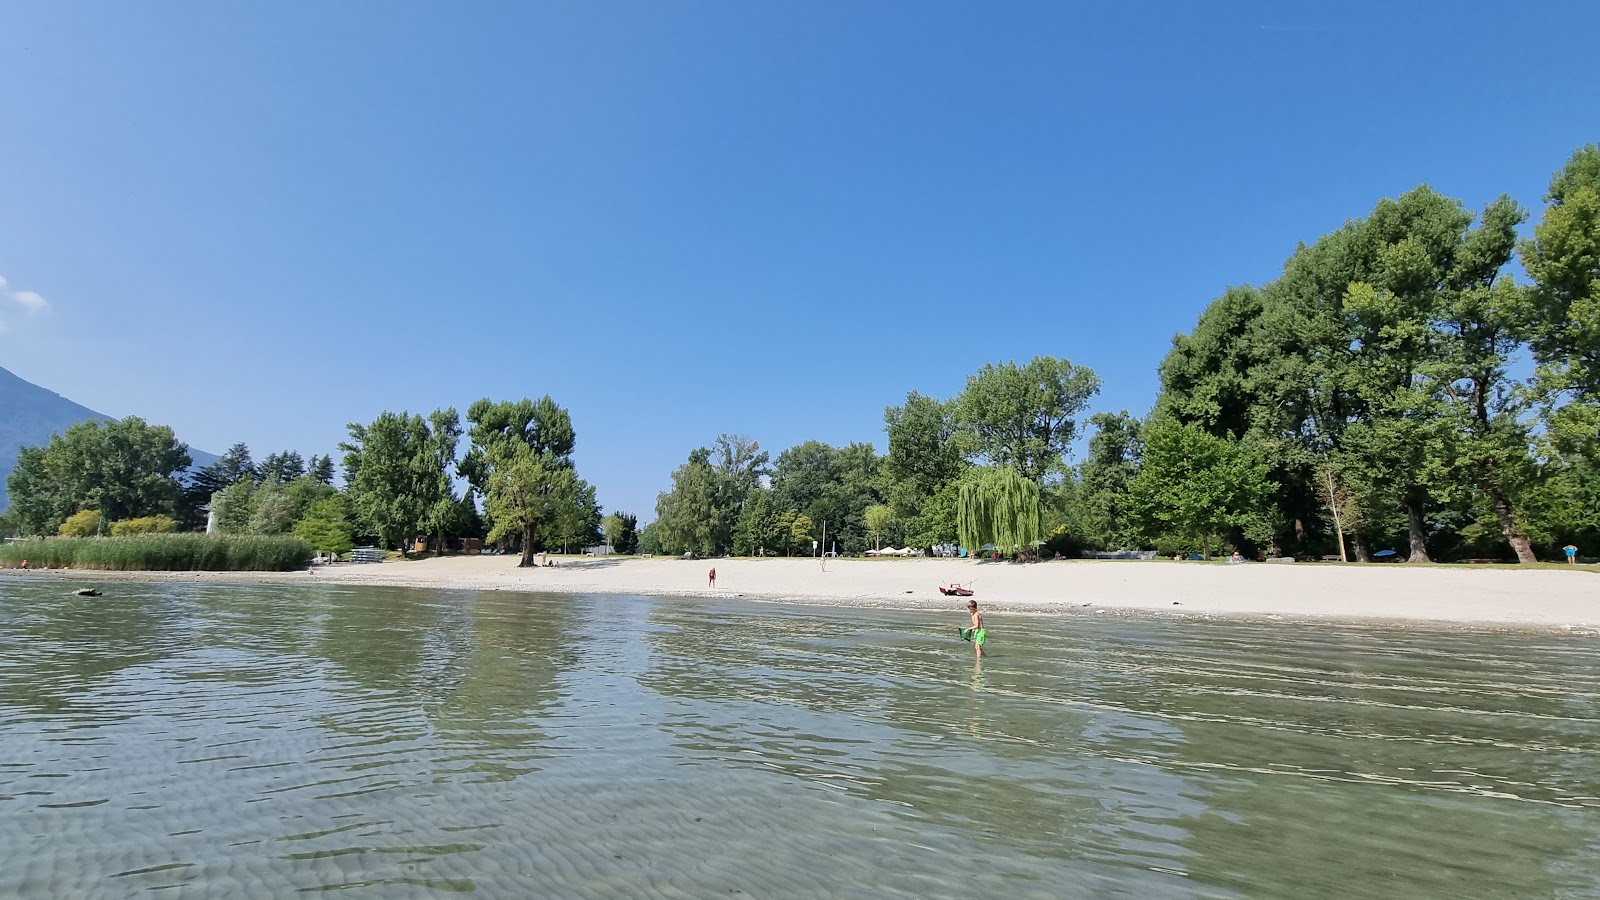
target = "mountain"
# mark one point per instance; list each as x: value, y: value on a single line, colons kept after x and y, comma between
x: 30, y: 414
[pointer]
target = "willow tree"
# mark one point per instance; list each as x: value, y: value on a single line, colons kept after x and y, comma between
x: 998, y: 506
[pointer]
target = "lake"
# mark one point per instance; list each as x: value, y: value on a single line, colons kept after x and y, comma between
x: 199, y: 739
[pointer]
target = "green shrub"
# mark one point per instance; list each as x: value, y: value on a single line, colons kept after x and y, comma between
x: 82, y: 523
x: 144, y: 525
x: 163, y: 552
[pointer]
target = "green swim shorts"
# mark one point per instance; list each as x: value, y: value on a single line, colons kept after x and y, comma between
x: 974, y: 635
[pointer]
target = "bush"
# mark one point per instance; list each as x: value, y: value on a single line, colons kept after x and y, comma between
x: 83, y: 523
x: 144, y: 525
x: 163, y: 552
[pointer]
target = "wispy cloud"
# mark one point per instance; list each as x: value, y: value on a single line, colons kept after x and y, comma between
x: 29, y: 302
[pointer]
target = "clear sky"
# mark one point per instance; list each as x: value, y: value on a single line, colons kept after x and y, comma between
x: 259, y: 221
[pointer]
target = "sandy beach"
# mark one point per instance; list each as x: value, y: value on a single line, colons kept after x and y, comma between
x: 1545, y: 598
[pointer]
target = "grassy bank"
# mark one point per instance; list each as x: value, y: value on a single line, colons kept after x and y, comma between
x: 162, y: 553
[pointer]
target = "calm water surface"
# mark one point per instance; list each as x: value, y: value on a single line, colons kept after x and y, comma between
x: 206, y: 740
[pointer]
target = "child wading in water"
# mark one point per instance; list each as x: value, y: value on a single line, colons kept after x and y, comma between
x: 976, y: 633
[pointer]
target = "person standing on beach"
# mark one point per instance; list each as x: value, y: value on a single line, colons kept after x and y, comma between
x: 712, y: 578
x: 1572, y: 554
x: 976, y: 633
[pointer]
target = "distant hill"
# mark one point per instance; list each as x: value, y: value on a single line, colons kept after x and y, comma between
x: 30, y: 414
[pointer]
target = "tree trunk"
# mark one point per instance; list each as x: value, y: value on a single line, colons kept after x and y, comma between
x: 1508, y: 523
x: 1300, y: 531
x: 1363, y: 549
x: 527, y: 547
x: 1418, y: 532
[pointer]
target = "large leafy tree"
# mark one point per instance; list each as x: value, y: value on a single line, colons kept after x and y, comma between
x: 831, y: 486
x: 1112, y: 462
x: 999, y: 506
x: 687, y: 517
x: 1024, y: 416
x: 526, y: 494
x: 1561, y: 318
x: 622, y: 532
x: 927, y: 453
x: 520, y: 460
x: 1197, y: 487
x: 124, y: 469
x: 391, y: 484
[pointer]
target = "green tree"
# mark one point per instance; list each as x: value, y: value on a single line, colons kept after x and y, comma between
x: 832, y: 486
x: 757, y: 528
x: 326, y: 525
x: 390, y: 489
x: 322, y: 468
x: 233, y: 506
x: 1111, y: 464
x: 687, y: 517
x: 272, y: 510
x: 926, y: 454
x: 622, y: 532
x: 877, y: 518
x: 83, y: 523
x: 124, y: 469
x: 281, y: 468
x: 524, y: 493
x: 1561, y: 314
x: 437, y: 466
x: 1023, y: 416
x: 802, y: 531
x: 998, y: 505
x: 1197, y: 487
x: 533, y: 441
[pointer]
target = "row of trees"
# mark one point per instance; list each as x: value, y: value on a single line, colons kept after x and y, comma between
x: 1379, y: 391
x: 1396, y: 386
x: 405, y: 476
x: 956, y: 469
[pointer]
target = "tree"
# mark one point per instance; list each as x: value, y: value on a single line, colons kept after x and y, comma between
x: 523, y: 493
x: 831, y: 486
x: 998, y: 505
x: 1022, y: 416
x: 389, y: 488
x: 927, y: 453
x: 322, y: 468
x: 802, y: 531
x: 83, y: 523
x: 272, y: 511
x: 757, y: 528
x: 1196, y: 486
x: 622, y: 532
x: 877, y: 518
x: 281, y: 468
x: 124, y: 469
x: 326, y: 525
x: 233, y: 507
x: 1341, y: 503
x: 437, y: 465
x: 1113, y: 461
x: 1561, y: 313
x: 519, y: 460
x: 229, y: 468
x: 37, y: 506
x: 686, y: 516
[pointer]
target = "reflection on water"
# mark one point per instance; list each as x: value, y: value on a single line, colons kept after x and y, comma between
x: 267, y: 739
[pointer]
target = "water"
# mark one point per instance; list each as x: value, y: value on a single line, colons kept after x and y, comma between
x: 205, y: 740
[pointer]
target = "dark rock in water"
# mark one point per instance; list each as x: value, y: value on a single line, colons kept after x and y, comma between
x: 86, y: 592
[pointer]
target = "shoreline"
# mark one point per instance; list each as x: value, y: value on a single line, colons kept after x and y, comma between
x: 1544, y: 599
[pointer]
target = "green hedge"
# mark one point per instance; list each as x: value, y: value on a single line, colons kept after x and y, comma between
x: 163, y: 552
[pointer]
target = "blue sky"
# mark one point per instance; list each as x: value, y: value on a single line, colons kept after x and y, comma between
x: 259, y: 221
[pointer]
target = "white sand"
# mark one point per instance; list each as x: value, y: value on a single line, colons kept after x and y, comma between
x: 1545, y: 598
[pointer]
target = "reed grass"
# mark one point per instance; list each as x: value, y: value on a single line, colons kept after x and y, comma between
x: 162, y: 553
